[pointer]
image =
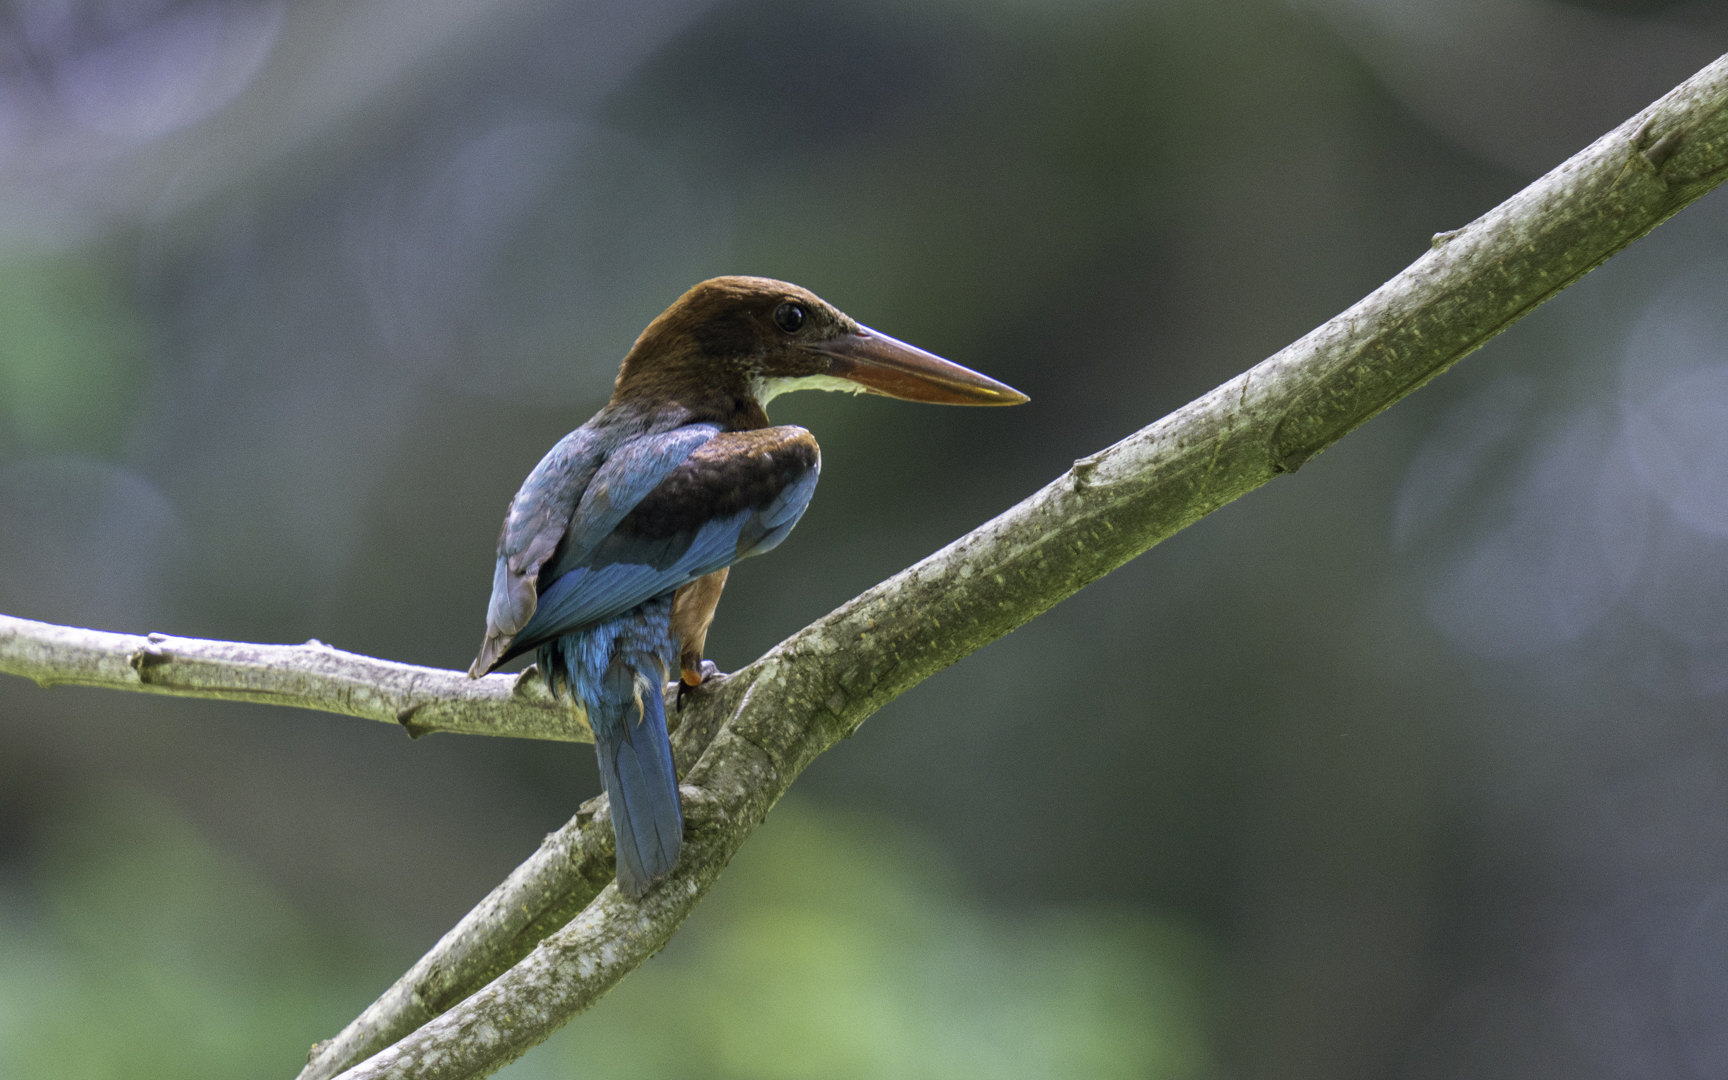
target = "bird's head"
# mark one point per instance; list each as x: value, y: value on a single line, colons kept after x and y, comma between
x: 754, y: 338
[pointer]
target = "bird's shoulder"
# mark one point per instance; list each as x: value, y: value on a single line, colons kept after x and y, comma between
x: 732, y: 472
x: 613, y: 458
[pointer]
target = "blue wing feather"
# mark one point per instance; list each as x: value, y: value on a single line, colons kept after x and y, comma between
x: 597, y: 575
x: 588, y: 594
x: 777, y: 519
x: 534, y: 525
x: 626, y: 478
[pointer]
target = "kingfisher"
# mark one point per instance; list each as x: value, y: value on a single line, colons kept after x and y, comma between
x: 615, y: 551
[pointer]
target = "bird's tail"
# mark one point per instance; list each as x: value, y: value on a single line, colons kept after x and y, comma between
x: 636, y: 769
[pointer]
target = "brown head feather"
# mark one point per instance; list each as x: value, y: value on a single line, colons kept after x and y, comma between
x: 719, y: 341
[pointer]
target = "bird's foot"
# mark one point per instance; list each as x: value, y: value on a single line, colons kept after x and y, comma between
x: 693, y: 678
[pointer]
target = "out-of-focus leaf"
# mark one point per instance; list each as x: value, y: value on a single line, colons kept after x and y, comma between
x: 69, y: 346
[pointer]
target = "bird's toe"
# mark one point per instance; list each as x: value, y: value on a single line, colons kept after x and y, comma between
x: 693, y: 679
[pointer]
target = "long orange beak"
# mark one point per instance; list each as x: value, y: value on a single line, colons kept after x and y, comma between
x: 883, y: 365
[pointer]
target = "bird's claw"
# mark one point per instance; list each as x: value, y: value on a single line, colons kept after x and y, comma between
x: 692, y: 679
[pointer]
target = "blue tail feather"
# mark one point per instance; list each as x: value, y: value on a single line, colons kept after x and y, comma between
x: 641, y: 784
x: 614, y: 669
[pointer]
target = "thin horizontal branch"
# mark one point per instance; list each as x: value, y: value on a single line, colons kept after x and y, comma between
x: 818, y: 686
x: 310, y: 676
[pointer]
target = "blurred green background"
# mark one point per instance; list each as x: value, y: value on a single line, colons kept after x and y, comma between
x: 1412, y: 765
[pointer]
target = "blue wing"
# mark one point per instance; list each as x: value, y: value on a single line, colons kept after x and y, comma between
x: 629, y: 474
x: 578, y: 493
x: 534, y: 525
x: 728, y: 497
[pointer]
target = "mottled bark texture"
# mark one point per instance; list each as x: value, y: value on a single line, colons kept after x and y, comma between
x: 774, y: 717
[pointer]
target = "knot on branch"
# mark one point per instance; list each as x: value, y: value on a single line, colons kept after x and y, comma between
x: 1083, y: 469
x: 529, y: 686
x: 589, y: 810
x: 1658, y: 152
x: 405, y: 717
x: 1652, y: 152
x: 1288, y: 461
x: 149, y: 656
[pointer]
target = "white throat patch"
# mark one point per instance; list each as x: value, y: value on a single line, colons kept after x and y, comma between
x: 769, y: 389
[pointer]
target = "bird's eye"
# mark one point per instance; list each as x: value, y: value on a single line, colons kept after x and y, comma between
x: 789, y: 317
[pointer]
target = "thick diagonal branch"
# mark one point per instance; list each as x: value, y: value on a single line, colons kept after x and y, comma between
x: 819, y: 685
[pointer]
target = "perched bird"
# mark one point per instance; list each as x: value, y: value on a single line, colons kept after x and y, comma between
x: 615, y: 550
